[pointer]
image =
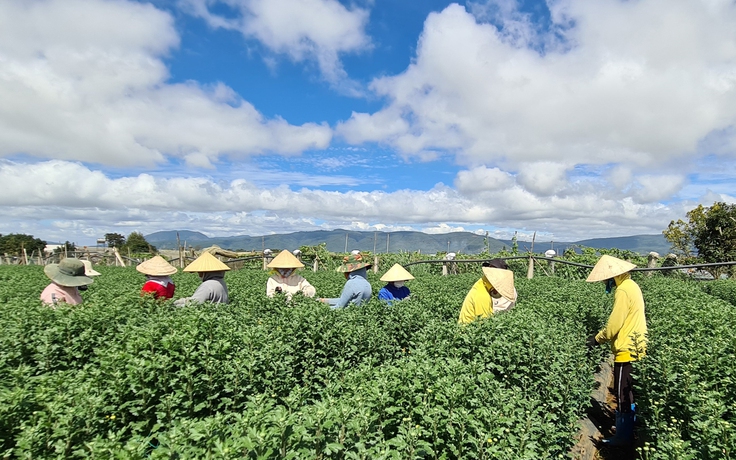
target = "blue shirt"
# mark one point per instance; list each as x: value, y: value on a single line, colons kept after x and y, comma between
x: 357, y: 290
x: 389, y: 293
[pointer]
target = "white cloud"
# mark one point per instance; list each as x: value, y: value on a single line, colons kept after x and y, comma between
x: 305, y: 30
x: 482, y: 179
x: 68, y: 192
x: 637, y: 83
x: 84, y: 80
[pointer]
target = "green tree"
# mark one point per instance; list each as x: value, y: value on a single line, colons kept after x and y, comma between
x: 15, y: 242
x: 711, y: 230
x: 137, y: 243
x: 115, y: 240
x: 70, y: 247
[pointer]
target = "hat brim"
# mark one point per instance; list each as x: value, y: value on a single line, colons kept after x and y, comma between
x: 502, y: 281
x: 347, y: 268
x: 156, y: 266
x: 285, y: 259
x: 52, y: 271
x: 609, y: 267
x: 396, y: 273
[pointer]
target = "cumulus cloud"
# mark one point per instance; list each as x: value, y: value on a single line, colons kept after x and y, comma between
x: 93, y: 87
x: 42, y: 191
x: 304, y: 30
x: 636, y: 83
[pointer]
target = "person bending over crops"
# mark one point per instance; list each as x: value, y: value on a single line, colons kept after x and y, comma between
x: 212, y: 273
x: 158, y: 282
x: 395, y: 289
x: 66, y: 278
x: 493, y: 293
x: 285, y: 279
x: 626, y: 331
x: 357, y: 289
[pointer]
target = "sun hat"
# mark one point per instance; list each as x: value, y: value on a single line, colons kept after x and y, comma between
x: 206, y: 263
x: 607, y: 267
x: 156, y: 266
x: 69, y: 273
x: 501, y: 280
x: 396, y: 273
x: 352, y: 262
x: 285, y: 259
x: 88, y: 270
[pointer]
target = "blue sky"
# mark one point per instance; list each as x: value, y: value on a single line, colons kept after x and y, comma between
x: 571, y: 118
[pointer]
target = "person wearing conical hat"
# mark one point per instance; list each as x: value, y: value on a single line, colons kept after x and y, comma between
x: 285, y: 279
x: 158, y: 278
x: 212, y: 273
x: 66, y: 278
x: 357, y: 289
x: 494, y: 292
x: 394, y: 290
x: 626, y: 331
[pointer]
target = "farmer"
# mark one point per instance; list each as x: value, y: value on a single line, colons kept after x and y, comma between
x: 285, y: 279
x: 66, y: 278
x: 158, y: 282
x: 357, y: 289
x: 395, y: 289
x: 212, y: 273
x: 494, y: 292
x: 626, y: 330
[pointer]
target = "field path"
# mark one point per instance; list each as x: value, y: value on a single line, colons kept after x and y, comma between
x: 599, y: 421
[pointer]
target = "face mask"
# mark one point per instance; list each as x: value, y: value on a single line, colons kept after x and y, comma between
x: 285, y: 272
x: 610, y: 283
x: 399, y: 284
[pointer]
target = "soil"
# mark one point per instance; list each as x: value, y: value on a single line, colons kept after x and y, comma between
x: 599, y: 423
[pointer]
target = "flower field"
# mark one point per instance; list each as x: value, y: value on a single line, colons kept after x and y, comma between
x: 126, y: 377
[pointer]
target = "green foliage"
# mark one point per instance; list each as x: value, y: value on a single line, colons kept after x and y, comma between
x: 67, y: 248
x: 115, y: 240
x: 137, y: 243
x: 687, y: 397
x: 711, y: 230
x: 14, y: 243
x: 126, y: 377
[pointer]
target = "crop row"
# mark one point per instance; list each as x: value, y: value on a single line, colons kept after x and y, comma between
x: 262, y: 378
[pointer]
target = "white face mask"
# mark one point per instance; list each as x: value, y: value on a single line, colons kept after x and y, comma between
x: 399, y: 284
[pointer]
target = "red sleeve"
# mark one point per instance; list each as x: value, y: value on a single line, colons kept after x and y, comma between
x: 169, y: 291
x: 155, y: 288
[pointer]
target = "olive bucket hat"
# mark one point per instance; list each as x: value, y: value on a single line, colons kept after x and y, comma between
x: 69, y: 273
x: 353, y: 262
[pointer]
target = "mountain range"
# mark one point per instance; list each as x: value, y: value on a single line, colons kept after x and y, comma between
x: 346, y: 240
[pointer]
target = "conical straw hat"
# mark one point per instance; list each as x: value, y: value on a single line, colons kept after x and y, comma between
x: 608, y: 267
x: 396, y: 273
x: 88, y: 270
x: 285, y: 259
x: 206, y: 263
x: 156, y: 266
x: 502, y: 280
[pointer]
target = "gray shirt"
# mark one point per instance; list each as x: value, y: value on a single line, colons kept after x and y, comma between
x: 213, y: 289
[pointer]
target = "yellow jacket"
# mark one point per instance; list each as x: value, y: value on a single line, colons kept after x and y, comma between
x: 479, y: 302
x: 627, y: 321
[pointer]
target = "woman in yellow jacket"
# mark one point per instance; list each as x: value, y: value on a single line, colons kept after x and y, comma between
x: 492, y: 293
x: 626, y: 330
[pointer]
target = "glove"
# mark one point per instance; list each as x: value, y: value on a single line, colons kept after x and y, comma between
x: 591, y: 342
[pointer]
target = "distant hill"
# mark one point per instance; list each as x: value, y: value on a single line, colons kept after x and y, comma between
x: 463, y: 242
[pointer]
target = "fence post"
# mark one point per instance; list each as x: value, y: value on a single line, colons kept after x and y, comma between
x: 375, y: 264
x: 444, y: 268
x: 530, y: 269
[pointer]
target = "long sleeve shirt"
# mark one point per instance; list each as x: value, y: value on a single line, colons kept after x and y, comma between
x: 56, y: 293
x: 289, y: 285
x: 391, y: 293
x: 627, y: 321
x: 357, y: 290
x: 480, y: 303
x: 213, y: 289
